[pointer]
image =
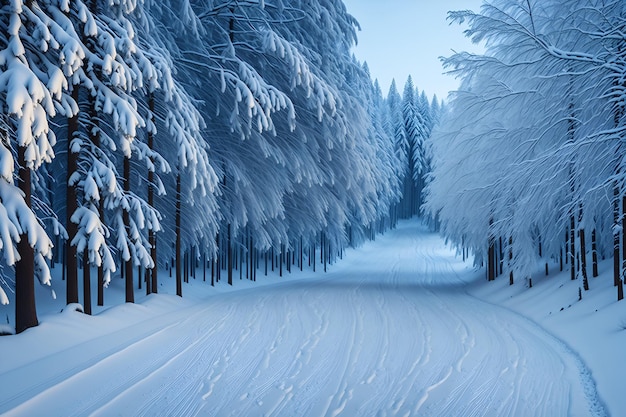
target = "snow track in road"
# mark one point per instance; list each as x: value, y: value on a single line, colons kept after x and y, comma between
x: 389, y: 332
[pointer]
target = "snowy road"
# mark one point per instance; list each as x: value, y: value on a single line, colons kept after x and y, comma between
x: 389, y: 332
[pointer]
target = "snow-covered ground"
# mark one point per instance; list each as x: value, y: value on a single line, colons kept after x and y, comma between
x: 399, y: 327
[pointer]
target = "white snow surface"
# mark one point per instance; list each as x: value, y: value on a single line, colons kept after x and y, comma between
x: 399, y: 327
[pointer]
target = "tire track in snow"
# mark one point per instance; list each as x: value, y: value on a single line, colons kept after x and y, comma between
x: 125, y: 367
x: 546, y: 393
x: 393, y: 333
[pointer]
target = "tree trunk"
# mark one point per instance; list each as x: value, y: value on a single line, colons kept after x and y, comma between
x: 151, y: 273
x: 179, y: 277
x: 183, y: 255
x: 241, y: 256
x: 151, y: 280
x: 326, y: 250
x: 128, y: 264
x: 572, y: 243
x: 229, y: 254
x: 623, y: 216
x: 491, y: 255
x: 94, y: 136
x: 251, y: 257
x: 25, y: 308
x: 594, y: 254
x: 86, y: 283
x: 71, y: 289
x: 616, y: 247
x: 213, y: 261
x: 510, y: 260
x: 100, y: 268
x: 218, y: 258
x: 583, y: 259
x: 566, y: 246
x: 193, y: 262
x: 501, y: 255
x: 541, y: 253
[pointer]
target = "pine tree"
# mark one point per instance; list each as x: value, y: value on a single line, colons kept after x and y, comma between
x: 31, y: 91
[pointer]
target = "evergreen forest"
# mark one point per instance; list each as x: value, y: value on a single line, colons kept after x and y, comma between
x: 145, y: 138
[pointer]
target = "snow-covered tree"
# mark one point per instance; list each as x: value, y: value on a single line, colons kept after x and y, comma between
x: 103, y: 215
x: 31, y: 93
x: 251, y: 120
x: 535, y: 130
x: 279, y: 70
x: 412, y: 145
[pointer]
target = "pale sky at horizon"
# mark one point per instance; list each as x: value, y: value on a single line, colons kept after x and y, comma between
x: 402, y: 37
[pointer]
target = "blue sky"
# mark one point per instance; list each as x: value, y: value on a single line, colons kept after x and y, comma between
x: 402, y: 37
